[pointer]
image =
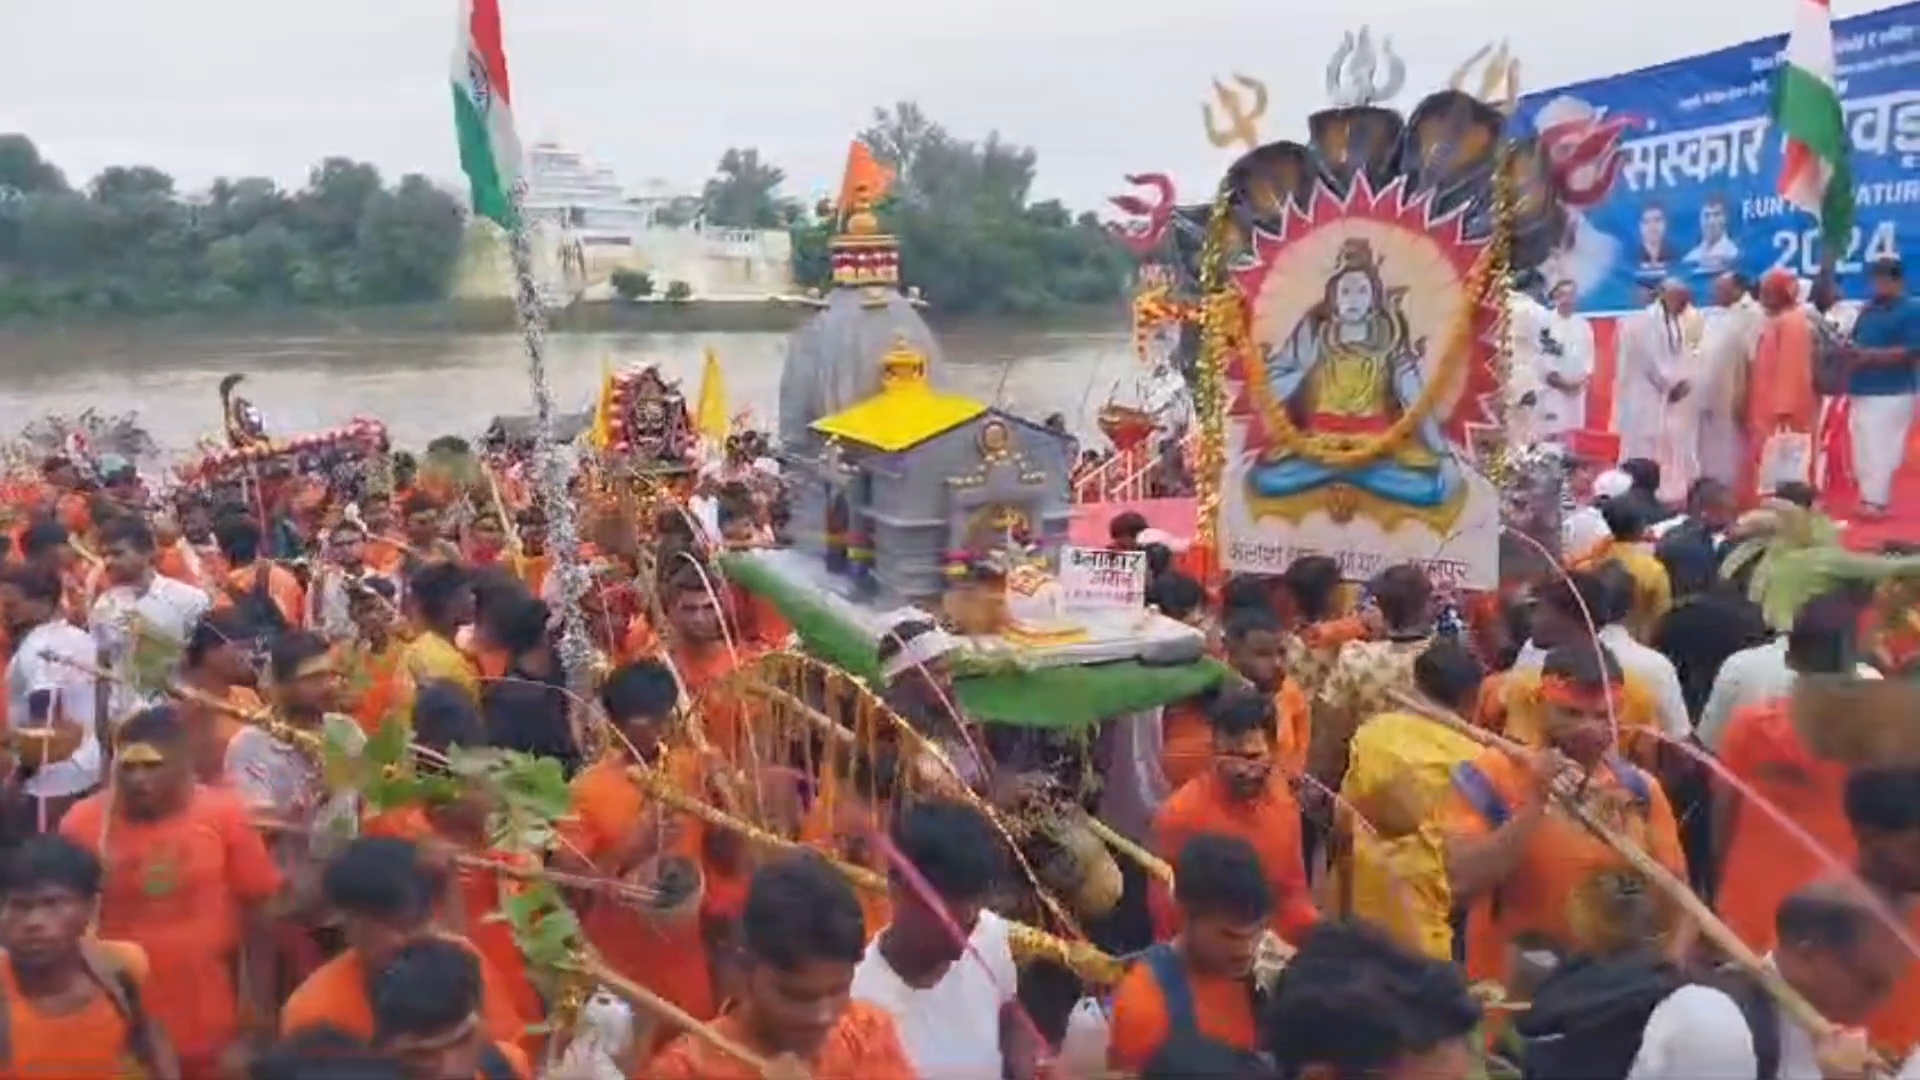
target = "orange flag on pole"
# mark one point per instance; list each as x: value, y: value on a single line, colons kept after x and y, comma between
x: 866, y: 179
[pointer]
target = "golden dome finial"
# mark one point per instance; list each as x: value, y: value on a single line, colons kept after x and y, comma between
x: 902, y: 366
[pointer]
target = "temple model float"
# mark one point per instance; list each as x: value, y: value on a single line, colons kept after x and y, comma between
x: 912, y: 502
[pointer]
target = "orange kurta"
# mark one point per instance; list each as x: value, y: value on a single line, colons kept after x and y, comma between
x: 379, y: 685
x: 1270, y: 823
x: 1767, y: 861
x: 670, y: 959
x: 1222, y: 1009
x: 1780, y: 392
x: 480, y: 892
x: 1186, y: 742
x: 176, y: 887
x: 1561, y: 857
x: 865, y: 1044
x: 89, y: 1042
x: 336, y: 996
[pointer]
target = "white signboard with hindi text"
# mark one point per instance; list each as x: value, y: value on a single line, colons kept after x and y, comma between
x: 1095, y: 579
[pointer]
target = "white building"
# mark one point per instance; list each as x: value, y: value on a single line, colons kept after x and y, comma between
x: 586, y: 225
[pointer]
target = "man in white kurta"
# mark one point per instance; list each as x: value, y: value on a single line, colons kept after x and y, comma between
x: 1659, y: 365
x: 1566, y: 367
x: 1733, y: 327
x: 1526, y: 332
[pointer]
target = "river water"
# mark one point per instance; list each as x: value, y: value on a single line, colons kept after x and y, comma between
x: 426, y: 383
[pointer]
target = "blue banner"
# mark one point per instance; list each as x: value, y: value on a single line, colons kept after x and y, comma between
x: 1671, y: 170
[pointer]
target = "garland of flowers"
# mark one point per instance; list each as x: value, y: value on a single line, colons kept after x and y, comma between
x: 1220, y: 315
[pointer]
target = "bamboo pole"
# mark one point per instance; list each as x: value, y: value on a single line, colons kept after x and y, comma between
x: 1797, y: 1007
x: 598, y: 970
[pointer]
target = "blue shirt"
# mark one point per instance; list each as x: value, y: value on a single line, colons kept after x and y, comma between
x: 1884, y: 324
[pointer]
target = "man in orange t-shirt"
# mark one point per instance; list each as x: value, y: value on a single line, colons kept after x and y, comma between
x: 1505, y: 840
x: 804, y: 937
x: 1256, y: 646
x: 426, y: 1016
x: 74, y: 1007
x: 384, y: 894
x: 1201, y: 983
x: 615, y: 830
x: 1243, y: 795
x: 190, y: 881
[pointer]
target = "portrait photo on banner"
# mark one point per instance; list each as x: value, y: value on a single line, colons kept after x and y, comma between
x: 1670, y: 172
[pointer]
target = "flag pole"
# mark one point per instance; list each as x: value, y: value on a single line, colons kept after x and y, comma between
x: 550, y: 473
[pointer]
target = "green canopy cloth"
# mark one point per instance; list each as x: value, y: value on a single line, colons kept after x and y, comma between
x: 1057, y: 698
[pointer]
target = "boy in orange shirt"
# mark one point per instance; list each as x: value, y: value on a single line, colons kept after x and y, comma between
x: 1201, y: 983
x: 385, y: 898
x: 189, y: 880
x: 1244, y: 795
x: 804, y: 937
x: 426, y: 1017
x: 74, y: 1007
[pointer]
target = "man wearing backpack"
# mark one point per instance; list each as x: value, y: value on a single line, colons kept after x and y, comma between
x: 1528, y: 867
x: 1834, y: 949
x: 1200, y: 983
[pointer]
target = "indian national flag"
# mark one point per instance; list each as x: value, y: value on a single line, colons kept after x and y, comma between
x: 1814, y: 173
x: 483, y: 111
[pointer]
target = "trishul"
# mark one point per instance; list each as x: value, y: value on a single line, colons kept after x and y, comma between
x: 1243, y: 122
x: 1499, y: 79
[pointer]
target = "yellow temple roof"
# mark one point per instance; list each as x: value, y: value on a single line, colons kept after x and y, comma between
x: 906, y: 412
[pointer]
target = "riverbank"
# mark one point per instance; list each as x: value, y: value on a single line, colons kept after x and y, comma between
x: 497, y: 316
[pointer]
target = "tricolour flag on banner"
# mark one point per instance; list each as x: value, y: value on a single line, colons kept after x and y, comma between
x: 1814, y: 171
x: 483, y: 111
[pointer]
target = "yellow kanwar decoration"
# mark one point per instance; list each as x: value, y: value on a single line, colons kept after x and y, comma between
x: 710, y: 414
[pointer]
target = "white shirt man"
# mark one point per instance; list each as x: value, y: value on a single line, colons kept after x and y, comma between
x: 1659, y: 360
x: 1700, y: 1032
x: 1563, y: 407
x: 1752, y: 676
x: 950, y: 1030
x: 1526, y: 334
x: 47, y: 680
x: 158, y: 614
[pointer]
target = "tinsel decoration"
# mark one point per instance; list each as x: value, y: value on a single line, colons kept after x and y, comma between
x: 1495, y: 284
x: 550, y: 474
x: 1219, y: 315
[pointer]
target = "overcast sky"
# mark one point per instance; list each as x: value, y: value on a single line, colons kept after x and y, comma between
x: 204, y: 88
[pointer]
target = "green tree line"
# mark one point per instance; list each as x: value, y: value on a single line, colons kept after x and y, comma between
x: 971, y: 237
x: 129, y: 242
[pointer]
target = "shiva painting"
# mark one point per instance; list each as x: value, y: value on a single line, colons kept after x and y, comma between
x: 1363, y: 369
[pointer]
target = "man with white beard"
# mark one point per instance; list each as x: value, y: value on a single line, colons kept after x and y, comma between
x: 1659, y: 365
x: 1733, y: 327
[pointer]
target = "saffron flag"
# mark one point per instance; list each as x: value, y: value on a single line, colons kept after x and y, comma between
x: 710, y: 413
x: 483, y: 112
x: 1814, y: 171
x: 865, y: 180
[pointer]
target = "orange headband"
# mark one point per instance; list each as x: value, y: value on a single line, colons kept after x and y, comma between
x: 1566, y: 693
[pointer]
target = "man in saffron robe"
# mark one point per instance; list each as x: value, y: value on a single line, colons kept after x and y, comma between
x: 804, y: 938
x: 1780, y: 397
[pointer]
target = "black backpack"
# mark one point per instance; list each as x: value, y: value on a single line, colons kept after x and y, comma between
x: 1587, y: 1018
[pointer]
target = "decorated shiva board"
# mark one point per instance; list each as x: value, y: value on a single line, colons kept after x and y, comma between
x: 1362, y: 371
